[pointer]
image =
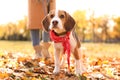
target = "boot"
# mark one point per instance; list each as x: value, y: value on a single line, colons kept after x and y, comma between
x: 38, y: 54
x: 45, y: 52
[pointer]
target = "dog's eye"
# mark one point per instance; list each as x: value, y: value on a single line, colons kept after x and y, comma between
x: 62, y: 16
x: 51, y: 16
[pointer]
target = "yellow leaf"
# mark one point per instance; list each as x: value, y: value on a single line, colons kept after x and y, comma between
x: 1, y: 53
x: 109, y: 71
x: 1, y: 63
x: 3, y: 75
x: 105, y: 62
x: 35, y: 78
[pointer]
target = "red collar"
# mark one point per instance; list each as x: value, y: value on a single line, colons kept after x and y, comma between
x: 65, y: 43
x: 57, y: 39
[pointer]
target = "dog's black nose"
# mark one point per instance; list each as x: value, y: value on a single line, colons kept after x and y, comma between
x: 55, y: 22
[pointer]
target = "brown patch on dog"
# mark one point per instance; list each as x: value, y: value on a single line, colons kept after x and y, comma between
x: 76, y: 54
x: 76, y: 38
x: 46, y: 23
x: 62, y: 15
x: 70, y: 22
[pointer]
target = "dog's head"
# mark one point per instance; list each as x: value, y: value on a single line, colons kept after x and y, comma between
x: 59, y: 21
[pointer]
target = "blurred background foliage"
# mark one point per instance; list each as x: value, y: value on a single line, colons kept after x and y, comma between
x: 15, y: 31
x: 97, y: 29
x: 88, y: 27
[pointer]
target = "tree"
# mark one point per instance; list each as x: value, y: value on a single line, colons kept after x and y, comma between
x: 117, y: 28
x: 81, y: 22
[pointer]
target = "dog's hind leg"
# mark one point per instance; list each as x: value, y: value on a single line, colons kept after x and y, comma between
x: 79, y: 66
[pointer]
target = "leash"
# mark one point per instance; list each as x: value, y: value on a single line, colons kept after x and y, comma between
x: 65, y: 43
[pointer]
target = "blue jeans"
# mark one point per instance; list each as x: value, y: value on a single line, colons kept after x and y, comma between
x: 36, y: 36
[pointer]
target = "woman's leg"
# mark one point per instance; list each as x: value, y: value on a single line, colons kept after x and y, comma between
x: 45, y: 44
x: 35, y: 38
x: 41, y: 48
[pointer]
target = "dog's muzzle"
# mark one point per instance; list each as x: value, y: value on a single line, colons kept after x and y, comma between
x: 55, y: 22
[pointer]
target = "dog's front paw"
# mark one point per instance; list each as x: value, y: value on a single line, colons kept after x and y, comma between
x: 56, y: 71
x: 78, y: 72
x: 80, y: 68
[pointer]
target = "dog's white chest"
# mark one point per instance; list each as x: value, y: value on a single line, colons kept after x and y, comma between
x: 58, y: 46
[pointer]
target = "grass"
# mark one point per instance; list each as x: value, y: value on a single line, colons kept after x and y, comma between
x: 90, y: 49
x: 102, y: 49
x: 93, y: 50
x: 16, y: 46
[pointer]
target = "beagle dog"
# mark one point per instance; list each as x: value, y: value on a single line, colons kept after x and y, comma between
x: 61, y: 25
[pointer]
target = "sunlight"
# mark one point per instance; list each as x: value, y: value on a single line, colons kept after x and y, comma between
x: 100, y: 7
x: 13, y: 10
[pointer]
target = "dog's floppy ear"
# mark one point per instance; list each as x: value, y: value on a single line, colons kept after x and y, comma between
x: 70, y: 23
x: 46, y: 23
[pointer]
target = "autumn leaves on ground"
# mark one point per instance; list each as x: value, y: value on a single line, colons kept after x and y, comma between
x: 102, y: 62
